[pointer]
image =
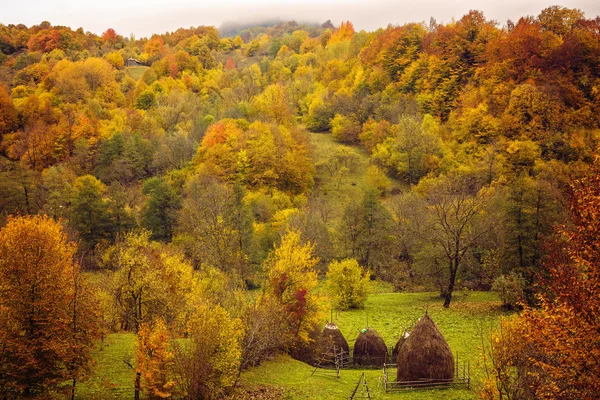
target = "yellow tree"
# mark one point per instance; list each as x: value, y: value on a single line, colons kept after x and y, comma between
x: 46, y: 329
x: 207, y: 365
x: 273, y: 105
x: 347, y: 284
x: 291, y: 280
x: 150, y: 281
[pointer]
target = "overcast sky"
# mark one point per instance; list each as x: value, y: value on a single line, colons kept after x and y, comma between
x: 145, y: 17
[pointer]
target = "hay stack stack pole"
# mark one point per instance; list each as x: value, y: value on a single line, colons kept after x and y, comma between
x: 333, y: 343
x: 425, y: 355
x: 370, y: 349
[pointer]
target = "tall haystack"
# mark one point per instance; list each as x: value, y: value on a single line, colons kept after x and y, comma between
x: 425, y: 355
x: 399, y: 344
x: 331, y: 345
x: 370, y: 349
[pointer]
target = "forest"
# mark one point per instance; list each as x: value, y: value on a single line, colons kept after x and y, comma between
x: 220, y: 193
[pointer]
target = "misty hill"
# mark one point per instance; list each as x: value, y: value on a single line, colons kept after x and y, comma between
x: 274, y: 27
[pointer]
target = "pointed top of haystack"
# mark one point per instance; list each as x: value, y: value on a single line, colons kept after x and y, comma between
x: 331, y: 325
x: 425, y: 354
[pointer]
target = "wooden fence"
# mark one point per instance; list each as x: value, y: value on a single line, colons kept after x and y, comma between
x: 462, y: 378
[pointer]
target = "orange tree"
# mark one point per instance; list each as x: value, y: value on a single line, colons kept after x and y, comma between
x: 554, y: 351
x: 46, y: 317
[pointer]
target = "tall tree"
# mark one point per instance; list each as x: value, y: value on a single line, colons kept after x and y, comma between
x: 90, y: 210
x: 155, y: 361
x: 150, y: 282
x: 208, y: 364
x: 455, y: 204
x: 160, y: 210
x: 215, y: 225
x: 366, y: 230
x: 47, y: 323
x: 291, y: 280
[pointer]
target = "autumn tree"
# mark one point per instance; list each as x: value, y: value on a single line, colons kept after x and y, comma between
x: 207, y: 365
x: 149, y: 281
x: 347, y: 284
x: 555, y: 347
x: 344, y: 32
x: 273, y: 105
x: 109, y: 36
x: 215, y: 226
x: 8, y: 113
x: 154, y: 360
x: 291, y: 280
x: 413, y: 151
x: 265, y: 332
x: 47, y: 327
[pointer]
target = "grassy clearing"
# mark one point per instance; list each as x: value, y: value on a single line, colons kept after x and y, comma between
x: 340, y: 187
x: 136, y: 72
x: 471, y: 314
x: 112, y: 377
x: 332, y: 182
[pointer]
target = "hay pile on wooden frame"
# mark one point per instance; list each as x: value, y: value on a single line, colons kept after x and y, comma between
x: 370, y: 349
x: 425, y: 355
x: 331, y: 343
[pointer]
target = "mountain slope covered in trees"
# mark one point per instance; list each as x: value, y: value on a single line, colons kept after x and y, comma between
x: 437, y: 156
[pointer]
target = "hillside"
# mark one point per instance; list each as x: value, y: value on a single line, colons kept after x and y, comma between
x: 205, y: 213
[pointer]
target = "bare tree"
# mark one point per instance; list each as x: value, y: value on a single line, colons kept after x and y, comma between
x: 456, y: 205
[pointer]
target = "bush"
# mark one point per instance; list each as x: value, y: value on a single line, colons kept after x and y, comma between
x: 347, y: 284
x: 510, y: 289
x: 345, y: 129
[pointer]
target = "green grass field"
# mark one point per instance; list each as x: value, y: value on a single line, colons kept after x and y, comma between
x: 112, y: 377
x: 472, y: 314
x: 136, y: 72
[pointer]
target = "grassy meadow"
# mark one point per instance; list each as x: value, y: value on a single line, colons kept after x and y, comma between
x: 136, y: 72
x: 112, y: 378
x: 471, y: 315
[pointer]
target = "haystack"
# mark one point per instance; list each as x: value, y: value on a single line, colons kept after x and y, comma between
x: 370, y: 349
x: 332, y: 344
x: 425, y: 355
x: 399, y: 344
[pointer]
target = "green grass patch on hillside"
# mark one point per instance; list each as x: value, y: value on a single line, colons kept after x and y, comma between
x: 136, y: 72
x: 471, y: 315
x: 112, y: 378
x: 344, y: 181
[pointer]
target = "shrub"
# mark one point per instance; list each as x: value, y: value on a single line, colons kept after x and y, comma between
x: 345, y: 129
x: 347, y: 284
x: 510, y: 289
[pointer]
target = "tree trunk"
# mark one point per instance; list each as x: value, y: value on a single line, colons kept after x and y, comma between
x: 448, y: 298
x: 136, y: 394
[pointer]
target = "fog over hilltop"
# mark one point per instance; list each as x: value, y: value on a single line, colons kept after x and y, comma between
x: 143, y: 18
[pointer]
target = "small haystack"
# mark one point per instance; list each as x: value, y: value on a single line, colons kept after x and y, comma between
x: 370, y: 349
x: 399, y: 344
x: 425, y: 355
x: 332, y: 344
